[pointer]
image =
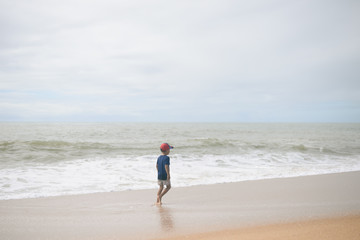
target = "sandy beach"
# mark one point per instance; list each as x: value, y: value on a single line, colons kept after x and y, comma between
x: 311, y: 207
x: 329, y: 229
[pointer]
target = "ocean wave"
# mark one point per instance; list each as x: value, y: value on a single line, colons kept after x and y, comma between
x: 6, y: 145
x: 212, y: 142
x: 58, y: 159
x: 123, y: 172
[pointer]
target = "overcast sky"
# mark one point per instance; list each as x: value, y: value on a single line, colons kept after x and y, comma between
x: 188, y: 60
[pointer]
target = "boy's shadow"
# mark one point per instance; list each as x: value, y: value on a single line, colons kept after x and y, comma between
x: 166, y: 219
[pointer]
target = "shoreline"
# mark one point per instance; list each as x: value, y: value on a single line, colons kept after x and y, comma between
x: 186, y: 210
x: 177, y: 187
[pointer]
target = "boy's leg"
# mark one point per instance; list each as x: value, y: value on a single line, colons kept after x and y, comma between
x: 168, y: 187
x: 161, y: 187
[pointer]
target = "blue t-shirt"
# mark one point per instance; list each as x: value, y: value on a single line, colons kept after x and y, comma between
x: 161, y: 162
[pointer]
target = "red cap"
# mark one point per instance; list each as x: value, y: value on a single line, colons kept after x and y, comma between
x: 164, y: 147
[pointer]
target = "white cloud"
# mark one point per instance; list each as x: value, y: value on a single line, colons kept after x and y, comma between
x: 209, y: 60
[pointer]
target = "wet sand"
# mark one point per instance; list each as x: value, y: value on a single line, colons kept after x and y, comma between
x: 187, y: 212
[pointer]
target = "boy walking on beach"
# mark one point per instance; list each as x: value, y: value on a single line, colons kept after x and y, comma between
x: 163, y: 169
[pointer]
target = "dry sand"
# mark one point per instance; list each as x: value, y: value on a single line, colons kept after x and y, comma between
x: 228, y: 210
x: 328, y: 229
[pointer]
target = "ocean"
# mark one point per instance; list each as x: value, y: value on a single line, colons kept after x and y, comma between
x: 53, y: 159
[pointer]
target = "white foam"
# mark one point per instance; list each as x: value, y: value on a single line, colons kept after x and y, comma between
x: 130, y: 173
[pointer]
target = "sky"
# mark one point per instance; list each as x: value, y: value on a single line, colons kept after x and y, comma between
x: 180, y: 61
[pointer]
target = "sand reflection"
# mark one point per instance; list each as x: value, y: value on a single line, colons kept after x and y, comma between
x: 166, y: 219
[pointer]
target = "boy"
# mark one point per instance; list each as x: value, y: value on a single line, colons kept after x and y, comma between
x: 163, y: 168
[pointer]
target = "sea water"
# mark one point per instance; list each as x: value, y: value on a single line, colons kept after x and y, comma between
x: 52, y: 159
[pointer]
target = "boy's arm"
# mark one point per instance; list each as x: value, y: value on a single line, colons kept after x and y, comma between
x: 167, y: 169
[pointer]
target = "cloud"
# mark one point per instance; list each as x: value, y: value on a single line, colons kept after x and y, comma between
x: 179, y: 61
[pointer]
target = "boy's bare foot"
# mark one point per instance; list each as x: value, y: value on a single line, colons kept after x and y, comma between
x: 158, y: 201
